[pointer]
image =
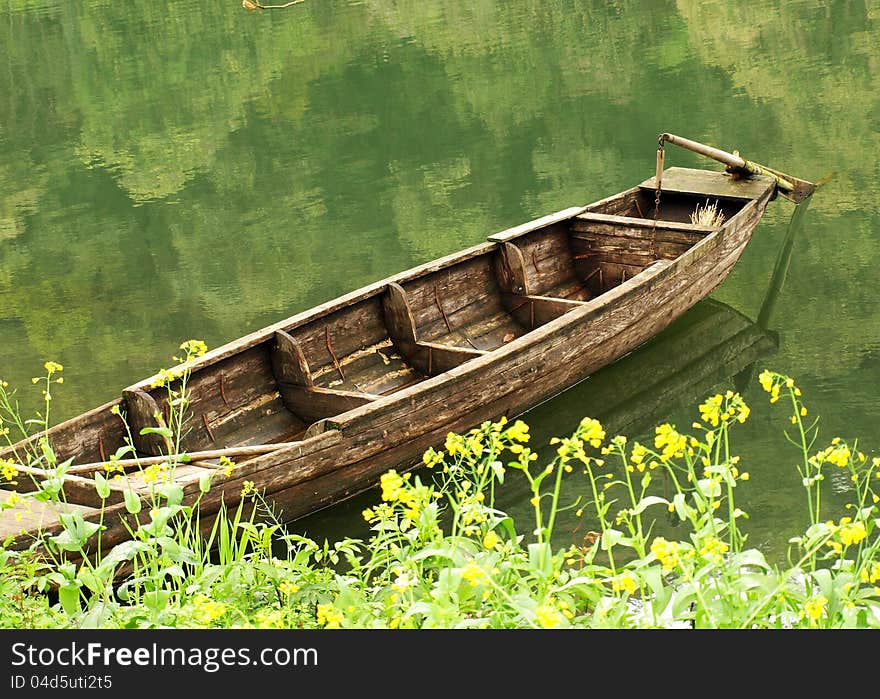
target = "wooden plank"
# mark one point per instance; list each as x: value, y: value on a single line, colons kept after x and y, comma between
x: 510, y: 269
x: 432, y: 358
x: 587, y: 245
x: 371, y: 291
x: 316, y: 403
x: 142, y: 411
x: 538, y: 223
x: 631, y: 202
x: 30, y: 514
x: 398, y: 314
x: 81, y: 438
x: 548, y: 258
x: 328, y: 341
x: 262, y: 421
x: 288, y: 361
x: 79, y: 490
x: 627, y: 226
x: 532, y: 310
x: 709, y: 183
x: 453, y: 297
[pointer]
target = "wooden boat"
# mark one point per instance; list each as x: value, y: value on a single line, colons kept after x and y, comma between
x: 315, y: 407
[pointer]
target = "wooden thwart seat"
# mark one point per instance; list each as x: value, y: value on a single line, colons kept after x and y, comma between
x: 430, y: 358
x: 529, y: 309
x: 300, y: 393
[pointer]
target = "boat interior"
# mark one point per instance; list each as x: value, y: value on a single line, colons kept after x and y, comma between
x: 419, y: 324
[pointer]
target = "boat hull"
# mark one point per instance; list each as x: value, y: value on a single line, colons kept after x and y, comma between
x: 449, y: 379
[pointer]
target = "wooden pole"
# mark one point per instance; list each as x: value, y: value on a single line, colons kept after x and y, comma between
x: 253, y: 450
x: 790, y: 187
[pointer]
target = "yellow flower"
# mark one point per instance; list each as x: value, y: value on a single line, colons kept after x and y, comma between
x: 591, y: 431
x: 714, y: 549
x: 454, y: 444
x: 766, y: 380
x: 670, y: 441
x: 666, y: 552
x: 625, y: 582
x: 227, y: 464
x: 872, y: 575
x: 474, y: 574
x: 247, y: 488
x: 548, y: 616
x: 491, y: 540
x: 8, y: 470
x: 852, y: 533
x: 288, y: 588
x: 164, y: 377
x: 194, y: 348
x: 52, y: 367
x: 392, y: 485
x: 328, y: 616
x: 518, y: 432
x: 711, y: 410
x: 432, y: 457
x: 206, y: 610
x: 814, y: 607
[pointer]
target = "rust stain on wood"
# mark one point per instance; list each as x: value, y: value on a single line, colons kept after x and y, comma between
x: 332, y: 353
x: 208, y: 427
x: 442, y: 312
x: 223, y: 389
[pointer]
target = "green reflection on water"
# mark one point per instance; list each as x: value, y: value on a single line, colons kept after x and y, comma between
x: 175, y: 170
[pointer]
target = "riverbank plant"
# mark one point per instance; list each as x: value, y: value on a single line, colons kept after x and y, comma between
x: 440, y: 553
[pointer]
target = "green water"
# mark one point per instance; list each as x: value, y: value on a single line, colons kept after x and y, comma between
x: 173, y: 170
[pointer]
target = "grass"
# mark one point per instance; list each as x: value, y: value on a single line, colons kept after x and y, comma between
x: 441, y: 554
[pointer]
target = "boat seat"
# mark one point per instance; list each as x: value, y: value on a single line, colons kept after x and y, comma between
x: 317, y: 396
x: 429, y: 357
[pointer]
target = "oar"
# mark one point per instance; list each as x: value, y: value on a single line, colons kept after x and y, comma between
x: 185, y: 458
x: 791, y: 188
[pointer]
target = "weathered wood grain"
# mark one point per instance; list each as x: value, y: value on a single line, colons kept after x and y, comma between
x: 288, y: 361
x: 708, y: 183
x: 510, y: 269
x: 143, y: 412
x: 316, y: 403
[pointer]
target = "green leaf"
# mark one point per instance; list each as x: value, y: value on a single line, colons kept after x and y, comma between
x: 68, y: 595
x: 681, y: 507
x: 132, y: 501
x: 173, y: 492
x: 67, y: 541
x: 498, y: 468
x: 102, y: 486
x: 541, y: 559
x: 163, y: 431
x: 610, y: 538
x: 646, y: 502
x: 709, y: 487
x: 205, y: 482
x: 51, y: 488
x: 87, y: 578
x: 156, y: 600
